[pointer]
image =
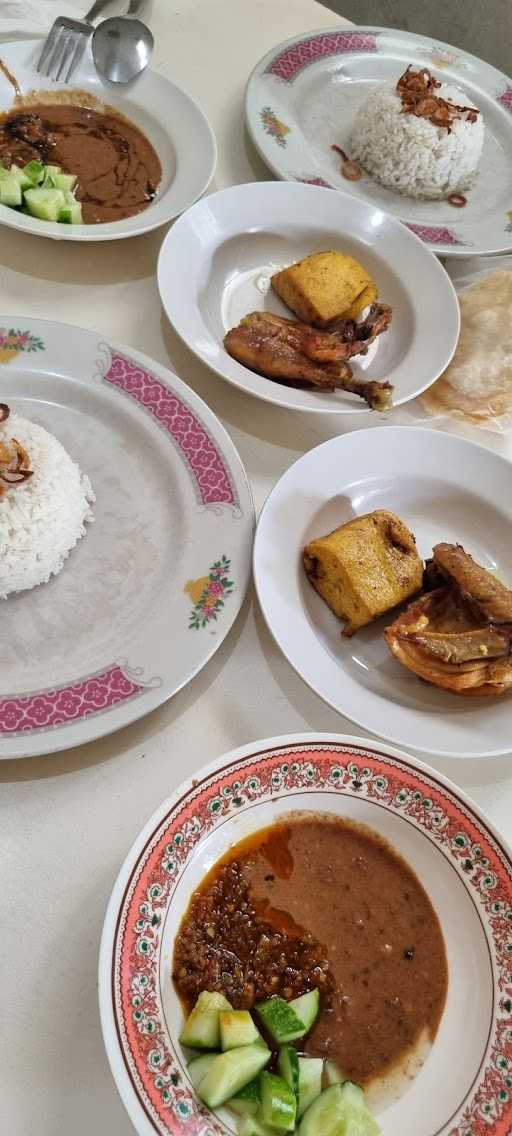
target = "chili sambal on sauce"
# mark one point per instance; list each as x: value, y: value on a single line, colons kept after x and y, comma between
x: 117, y: 169
x: 320, y: 902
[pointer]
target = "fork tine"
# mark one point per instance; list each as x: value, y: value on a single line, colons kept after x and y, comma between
x: 69, y: 48
x: 49, y: 45
x: 60, y: 46
x: 79, y: 50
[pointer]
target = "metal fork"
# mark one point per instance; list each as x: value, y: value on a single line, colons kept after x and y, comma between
x: 66, y: 42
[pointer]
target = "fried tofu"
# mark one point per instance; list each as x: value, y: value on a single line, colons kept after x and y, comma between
x: 365, y: 300
x: 365, y: 568
x: 321, y: 287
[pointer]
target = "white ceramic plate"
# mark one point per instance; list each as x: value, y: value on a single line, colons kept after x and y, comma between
x: 445, y: 489
x: 215, y: 267
x: 173, y: 122
x: 303, y: 96
x: 116, y: 633
x: 460, y: 860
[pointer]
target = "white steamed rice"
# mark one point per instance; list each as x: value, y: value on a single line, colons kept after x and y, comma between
x: 410, y: 155
x: 42, y: 518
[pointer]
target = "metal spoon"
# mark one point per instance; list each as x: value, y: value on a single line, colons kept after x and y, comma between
x: 122, y: 46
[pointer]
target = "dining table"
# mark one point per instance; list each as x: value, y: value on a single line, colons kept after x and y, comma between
x: 67, y: 819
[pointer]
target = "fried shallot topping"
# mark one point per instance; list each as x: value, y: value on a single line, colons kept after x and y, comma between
x: 15, y: 464
x: 417, y: 92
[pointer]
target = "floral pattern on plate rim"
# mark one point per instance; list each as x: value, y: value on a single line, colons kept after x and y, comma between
x: 434, y: 234
x: 292, y: 60
x: 274, y: 127
x: 13, y: 342
x: 217, y: 586
x: 505, y: 99
x: 210, y: 475
x: 152, y: 1065
x: 62, y: 705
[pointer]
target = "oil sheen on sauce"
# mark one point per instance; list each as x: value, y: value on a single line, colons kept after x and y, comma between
x: 338, y: 898
x: 118, y: 170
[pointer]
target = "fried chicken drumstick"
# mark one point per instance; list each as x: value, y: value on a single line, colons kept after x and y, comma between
x: 296, y: 353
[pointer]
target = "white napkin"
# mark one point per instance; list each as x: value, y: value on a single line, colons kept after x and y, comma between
x: 21, y: 19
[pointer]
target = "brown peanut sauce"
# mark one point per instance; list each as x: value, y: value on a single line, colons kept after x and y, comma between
x: 321, y: 902
x: 117, y: 168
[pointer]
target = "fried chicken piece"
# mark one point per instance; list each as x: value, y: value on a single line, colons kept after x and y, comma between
x: 444, y: 638
x: 293, y: 352
x: 488, y: 597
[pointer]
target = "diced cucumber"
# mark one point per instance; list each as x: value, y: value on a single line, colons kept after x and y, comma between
x: 236, y: 1028
x: 201, y: 1029
x: 250, y: 1126
x: 278, y: 1103
x: 335, y: 1113
x: 332, y: 1075
x: 46, y: 204
x: 280, y: 1020
x: 10, y: 191
x: 71, y: 212
x: 35, y: 171
x: 230, y: 1072
x: 307, y: 1008
x: 52, y: 171
x: 288, y: 1067
x: 21, y: 177
x: 247, y: 1101
x: 352, y: 1095
x: 199, y: 1066
x: 64, y: 181
x: 310, y: 1082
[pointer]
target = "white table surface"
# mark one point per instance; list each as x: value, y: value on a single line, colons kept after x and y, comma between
x: 67, y: 821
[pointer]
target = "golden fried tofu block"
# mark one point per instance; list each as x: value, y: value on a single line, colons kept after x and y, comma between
x: 368, y: 296
x: 321, y: 287
x: 365, y: 568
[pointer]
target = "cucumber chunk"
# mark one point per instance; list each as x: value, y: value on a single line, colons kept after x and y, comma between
x: 247, y: 1101
x: 310, y: 1082
x: 64, y: 181
x: 332, y: 1075
x: 10, y: 192
x: 288, y: 1067
x: 230, y: 1072
x: 52, y: 171
x: 280, y: 1020
x: 278, y: 1103
x: 71, y: 212
x: 338, y: 1113
x: 236, y: 1028
x: 34, y: 170
x: 201, y: 1029
x: 46, y: 204
x: 198, y: 1067
x: 21, y: 177
x: 307, y: 1008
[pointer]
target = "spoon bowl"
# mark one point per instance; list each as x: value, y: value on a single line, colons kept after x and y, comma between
x: 121, y: 48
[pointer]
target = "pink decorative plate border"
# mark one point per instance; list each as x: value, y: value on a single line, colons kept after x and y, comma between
x: 330, y: 767
x: 61, y: 705
x: 289, y: 63
x: 213, y: 484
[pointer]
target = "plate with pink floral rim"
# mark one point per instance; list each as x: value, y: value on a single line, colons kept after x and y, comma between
x: 152, y: 589
x: 303, y: 97
x: 461, y: 861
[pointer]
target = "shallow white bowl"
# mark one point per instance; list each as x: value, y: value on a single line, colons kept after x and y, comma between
x: 445, y: 489
x: 215, y: 264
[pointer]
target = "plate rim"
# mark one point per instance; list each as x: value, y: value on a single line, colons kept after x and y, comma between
x: 95, y: 233
x: 111, y: 1040
x: 279, y: 397
x: 457, y: 439
x: 266, y: 154
x: 94, y: 726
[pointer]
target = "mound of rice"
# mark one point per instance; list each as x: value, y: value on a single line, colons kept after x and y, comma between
x: 41, y: 519
x: 410, y: 154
